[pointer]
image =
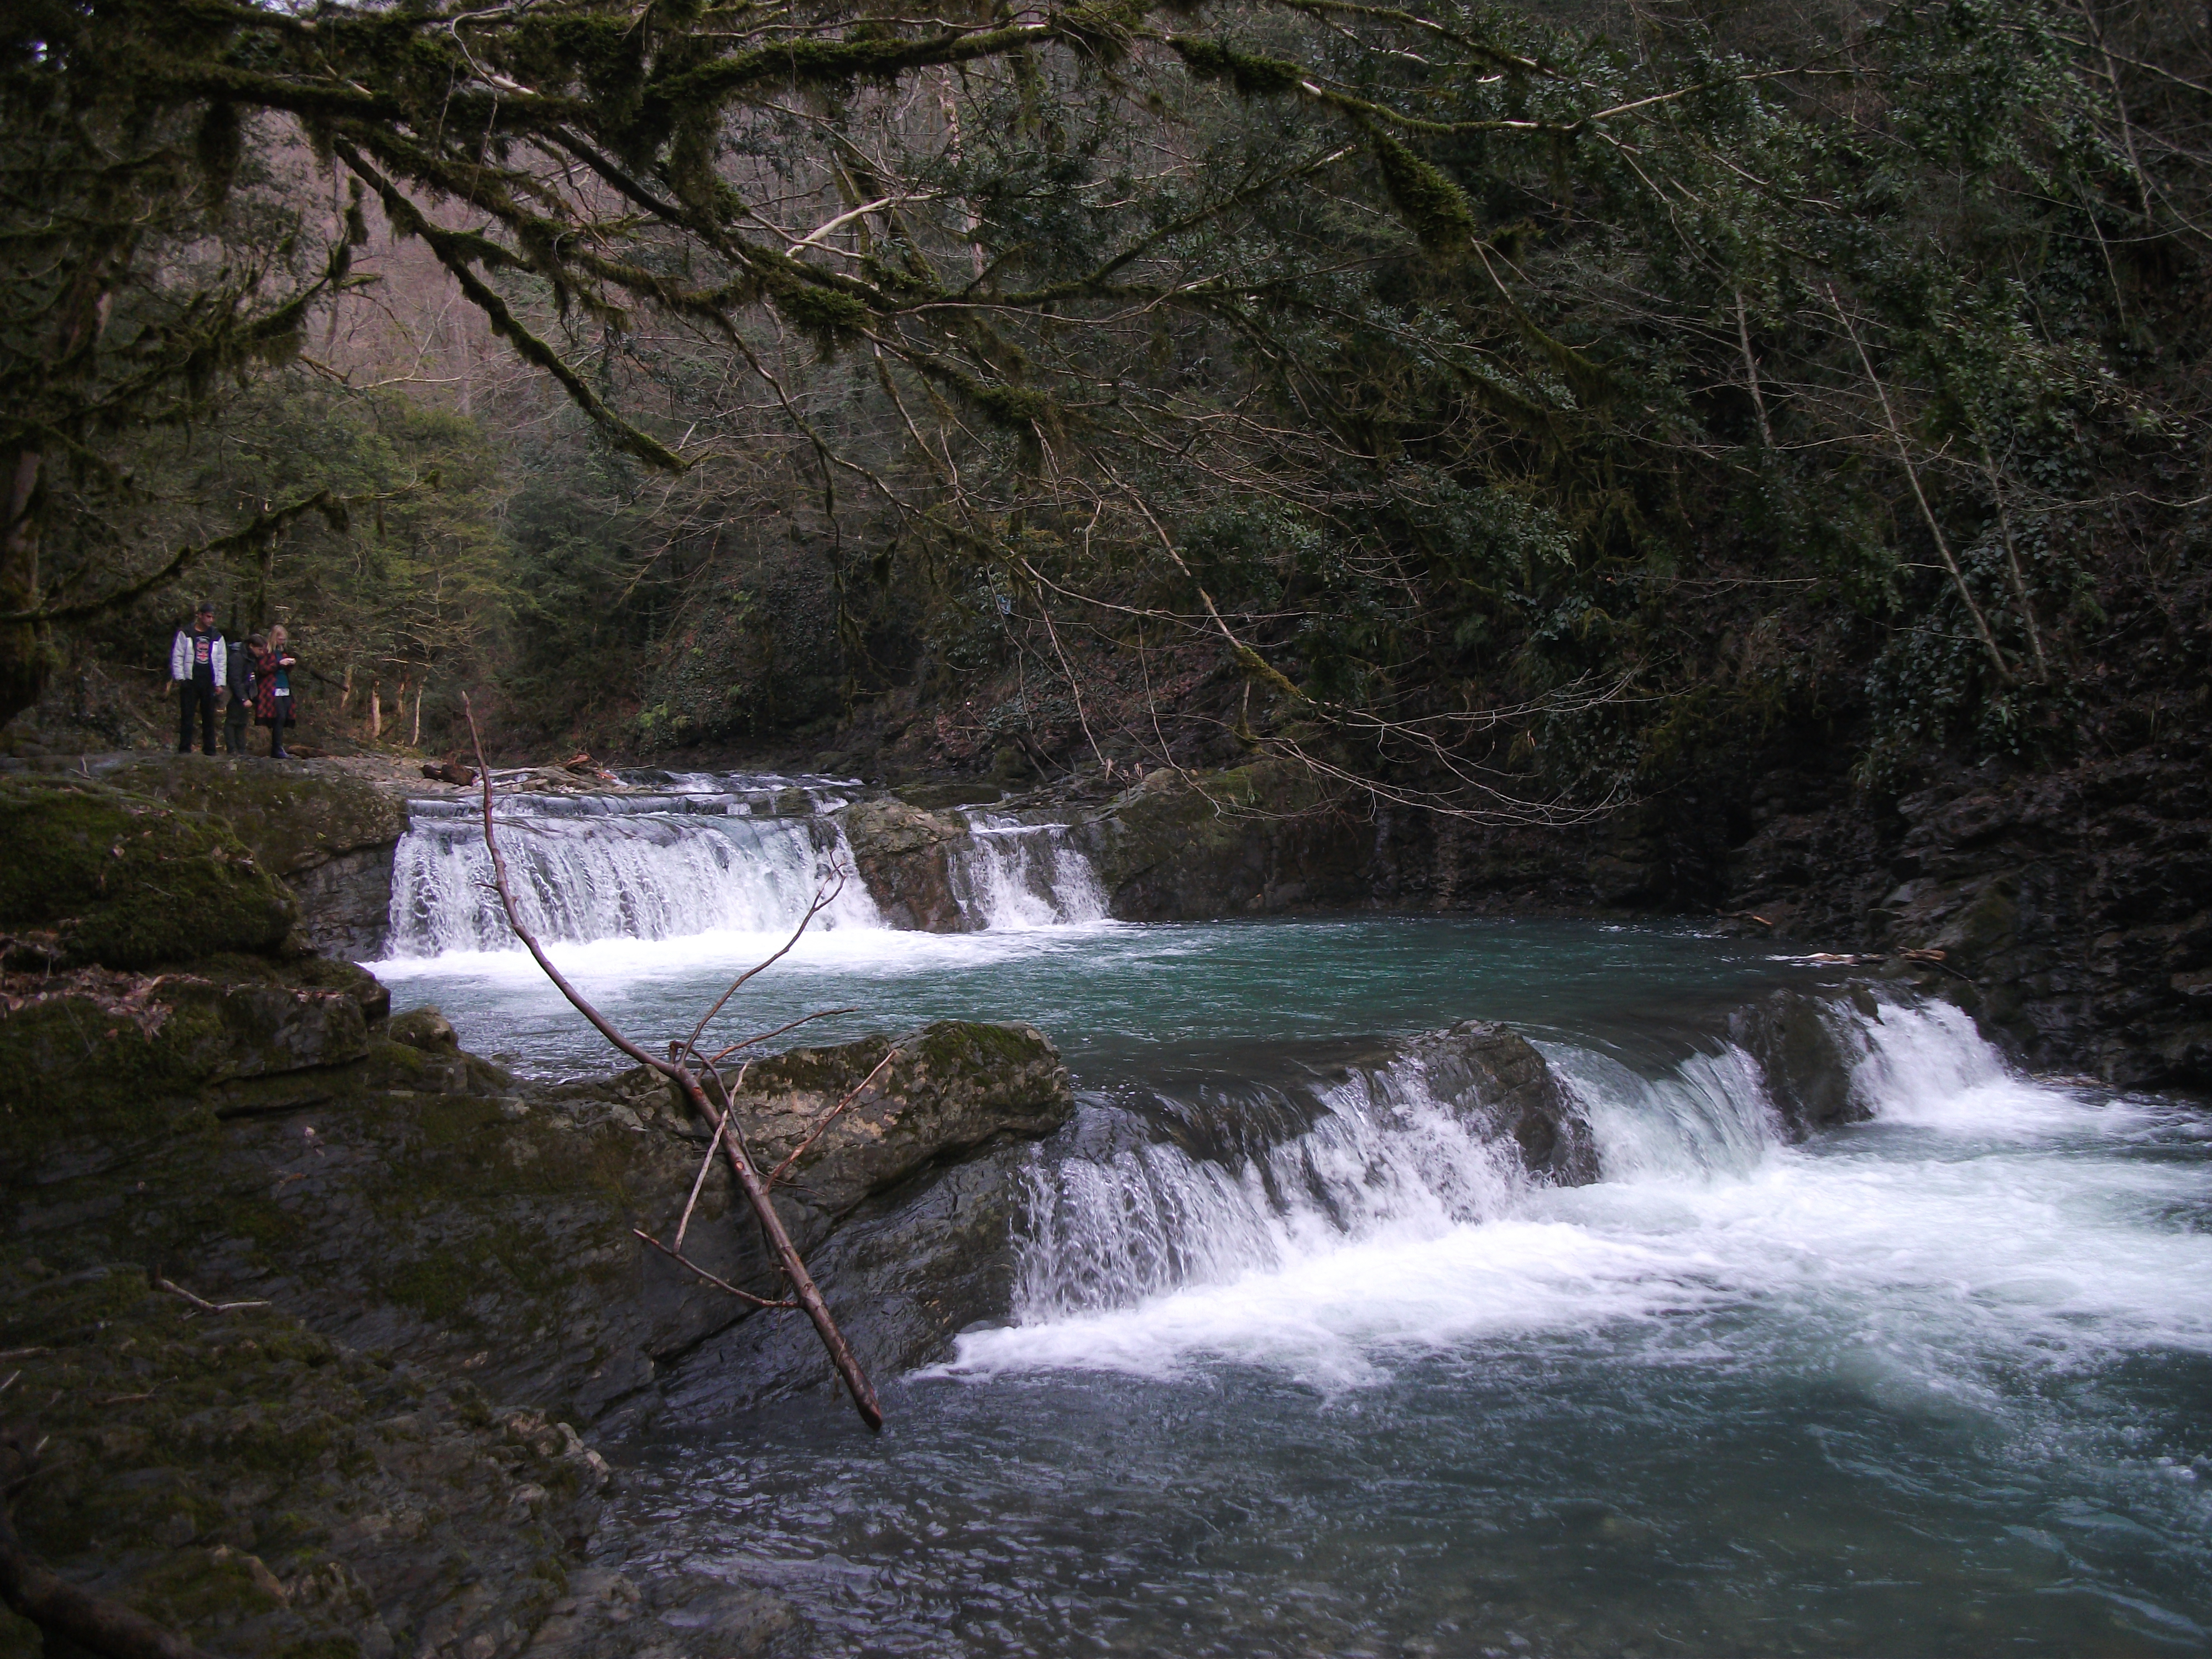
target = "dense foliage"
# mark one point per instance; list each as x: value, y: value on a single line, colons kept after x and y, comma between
x: 1504, y: 407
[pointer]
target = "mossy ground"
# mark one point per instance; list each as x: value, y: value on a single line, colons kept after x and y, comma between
x: 262, y: 1490
x: 290, y: 817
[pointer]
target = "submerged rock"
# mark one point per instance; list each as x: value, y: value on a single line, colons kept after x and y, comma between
x: 1493, y: 1078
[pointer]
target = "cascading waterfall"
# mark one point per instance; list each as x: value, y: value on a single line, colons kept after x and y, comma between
x: 586, y: 867
x: 1385, y: 1156
x: 1386, y: 1161
x: 1014, y: 876
x: 702, y: 853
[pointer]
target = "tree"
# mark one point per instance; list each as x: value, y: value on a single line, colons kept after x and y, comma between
x: 1498, y: 327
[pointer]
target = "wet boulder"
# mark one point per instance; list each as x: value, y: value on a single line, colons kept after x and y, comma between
x: 427, y: 1029
x: 904, y: 854
x: 1494, y: 1079
x: 1806, y: 1055
x: 945, y: 1090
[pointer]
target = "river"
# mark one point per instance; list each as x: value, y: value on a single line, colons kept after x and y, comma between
x: 1938, y: 1383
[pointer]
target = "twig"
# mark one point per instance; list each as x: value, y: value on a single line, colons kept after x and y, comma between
x: 776, y: 1174
x: 201, y: 1302
x: 824, y: 1013
x: 706, y: 1164
x: 685, y: 1262
x: 1912, y: 473
x: 786, y: 1254
x: 825, y: 896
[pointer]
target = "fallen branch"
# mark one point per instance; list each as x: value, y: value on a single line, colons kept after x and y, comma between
x: 791, y: 1025
x: 776, y: 1174
x: 786, y: 1254
x: 825, y: 896
x: 201, y: 1302
x: 683, y: 1224
x: 686, y: 1262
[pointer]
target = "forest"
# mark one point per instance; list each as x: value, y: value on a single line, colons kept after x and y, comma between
x: 1510, y: 411
x: 1191, y: 828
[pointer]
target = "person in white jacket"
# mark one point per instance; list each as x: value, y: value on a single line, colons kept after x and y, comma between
x: 199, y: 668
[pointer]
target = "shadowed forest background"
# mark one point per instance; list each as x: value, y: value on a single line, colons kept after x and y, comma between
x: 1516, y: 410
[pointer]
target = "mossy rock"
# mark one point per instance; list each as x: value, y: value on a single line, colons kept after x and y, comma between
x: 936, y: 797
x: 427, y: 1029
x: 1270, y: 836
x: 99, y: 1055
x: 291, y: 815
x: 267, y: 1492
x: 105, y: 878
x: 950, y: 1088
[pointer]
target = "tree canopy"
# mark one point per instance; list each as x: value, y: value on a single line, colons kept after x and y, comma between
x: 1502, y: 395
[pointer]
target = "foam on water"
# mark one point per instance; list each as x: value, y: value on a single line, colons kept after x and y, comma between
x: 1971, y: 1231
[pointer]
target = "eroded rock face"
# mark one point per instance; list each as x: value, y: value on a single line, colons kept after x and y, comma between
x: 905, y: 856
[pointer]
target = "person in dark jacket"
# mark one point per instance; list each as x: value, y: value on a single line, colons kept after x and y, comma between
x: 198, y: 667
x: 272, y: 689
x: 240, y: 705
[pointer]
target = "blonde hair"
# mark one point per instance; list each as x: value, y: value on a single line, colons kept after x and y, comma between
x: 278, y: 636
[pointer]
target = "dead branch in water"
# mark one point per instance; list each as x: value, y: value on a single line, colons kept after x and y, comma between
x: 678, y: 1072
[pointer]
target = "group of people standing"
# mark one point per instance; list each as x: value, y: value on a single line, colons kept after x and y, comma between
x: 209, y: 671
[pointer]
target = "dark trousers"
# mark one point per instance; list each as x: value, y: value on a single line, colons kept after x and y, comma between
x: 194, y: 694
x: 277, y: 723
x: 233, y: 725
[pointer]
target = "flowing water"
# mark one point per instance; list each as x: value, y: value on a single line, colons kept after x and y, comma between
x: 1939, y: 1383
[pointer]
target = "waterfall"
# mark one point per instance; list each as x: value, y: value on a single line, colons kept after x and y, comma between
x: 650, y: 867
x: 1386, y: 1156
x: 1386, y: 1161
x: 1014, y: 876
x: 696, y: 852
